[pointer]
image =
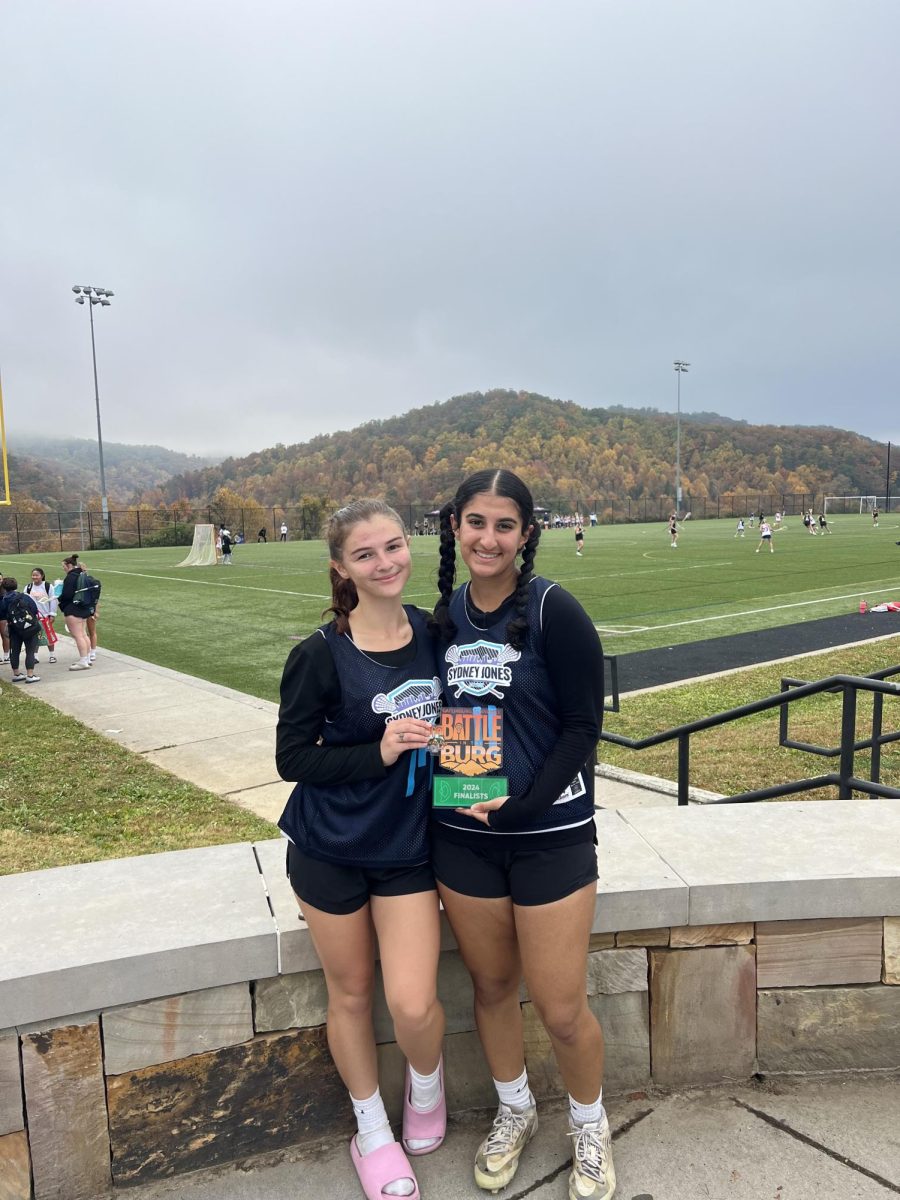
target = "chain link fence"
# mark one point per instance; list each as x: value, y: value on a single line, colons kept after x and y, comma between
x: 64, y: 532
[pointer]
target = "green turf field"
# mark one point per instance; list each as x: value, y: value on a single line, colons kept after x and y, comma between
x: 235, y: 625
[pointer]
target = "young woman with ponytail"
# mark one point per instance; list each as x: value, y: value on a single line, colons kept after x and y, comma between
x: 517, y: 875
x: 359, y: 699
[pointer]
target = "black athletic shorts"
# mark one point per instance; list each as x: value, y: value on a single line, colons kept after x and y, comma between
x: 527, y: 876
x: 339, y: 890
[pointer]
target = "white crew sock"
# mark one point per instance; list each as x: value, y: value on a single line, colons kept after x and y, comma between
x: 424, y: 1090
x: 587, y: 1114
x: 516, y: 1094
x: 373, y: 1132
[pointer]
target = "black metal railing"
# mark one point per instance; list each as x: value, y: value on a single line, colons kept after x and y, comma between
x: 793, y: 690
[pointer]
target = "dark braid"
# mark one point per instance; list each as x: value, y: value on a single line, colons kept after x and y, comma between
x: 441, y: 624
x: 517, y: 629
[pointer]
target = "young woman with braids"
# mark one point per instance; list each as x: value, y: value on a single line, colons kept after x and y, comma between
x: 517, y: 875
x: 358, y: 703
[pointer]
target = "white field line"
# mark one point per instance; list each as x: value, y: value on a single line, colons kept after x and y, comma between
x: 241, y: 587
x: 749, y: 612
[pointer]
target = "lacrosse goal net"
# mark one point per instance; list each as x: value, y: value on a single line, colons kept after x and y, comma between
x: 203, y: 549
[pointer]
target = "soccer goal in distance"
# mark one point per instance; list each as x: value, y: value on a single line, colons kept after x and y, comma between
x: 850, y: 504
x: 203, y: 549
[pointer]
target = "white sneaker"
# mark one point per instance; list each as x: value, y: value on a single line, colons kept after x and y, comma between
x: 593, y: 1175
x: 80, y: 666
x: 92, y: 657
x: 52, y: 658
x: 497, y: 1159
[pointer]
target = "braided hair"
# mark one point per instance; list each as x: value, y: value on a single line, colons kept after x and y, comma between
x: 496, y: 483
x: 344, y: 597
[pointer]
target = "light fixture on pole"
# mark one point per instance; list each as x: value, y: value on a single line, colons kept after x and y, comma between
x: 680, y: 367
x: 92, y: 296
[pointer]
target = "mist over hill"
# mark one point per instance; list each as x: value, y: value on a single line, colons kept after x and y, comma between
x: 61, y: 472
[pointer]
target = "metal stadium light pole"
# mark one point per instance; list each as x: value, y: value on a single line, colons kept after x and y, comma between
x: 680, y: 367
x: 92, y: 296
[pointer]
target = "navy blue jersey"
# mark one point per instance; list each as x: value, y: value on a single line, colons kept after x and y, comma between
x: 479, y: 669
x: 381, y: 821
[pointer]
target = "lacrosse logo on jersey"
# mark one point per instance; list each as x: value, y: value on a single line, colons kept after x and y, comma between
x: 420, y: 698
x: 480, y: 669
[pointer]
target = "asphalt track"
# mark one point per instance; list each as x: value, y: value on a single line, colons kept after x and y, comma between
x: 672, y: 664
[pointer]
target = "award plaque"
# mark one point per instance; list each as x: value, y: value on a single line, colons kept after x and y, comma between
x: 468, y: 743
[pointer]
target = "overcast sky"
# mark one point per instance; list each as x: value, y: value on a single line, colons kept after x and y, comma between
x: 314, y: 213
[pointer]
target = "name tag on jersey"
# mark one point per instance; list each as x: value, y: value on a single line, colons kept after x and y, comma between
x: 575, y: 789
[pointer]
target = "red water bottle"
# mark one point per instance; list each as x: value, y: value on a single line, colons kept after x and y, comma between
x: 863, y: 606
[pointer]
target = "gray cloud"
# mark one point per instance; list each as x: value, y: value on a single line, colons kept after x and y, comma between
x: 317, y: 214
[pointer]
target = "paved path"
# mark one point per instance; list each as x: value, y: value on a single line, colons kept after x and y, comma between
x: 218, y: 738
x: 789, y: 1139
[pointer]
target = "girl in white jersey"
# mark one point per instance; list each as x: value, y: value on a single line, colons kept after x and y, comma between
x: 518, y: 874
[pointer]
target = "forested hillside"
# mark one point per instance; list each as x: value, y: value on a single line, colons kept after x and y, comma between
x: 60, y: 472
x: 569, y: 455
x: 565, y: 453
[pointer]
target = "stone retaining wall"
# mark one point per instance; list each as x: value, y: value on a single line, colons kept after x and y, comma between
x: 163, y: 1079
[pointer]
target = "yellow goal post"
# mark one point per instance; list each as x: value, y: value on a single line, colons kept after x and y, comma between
x: 4, y: 494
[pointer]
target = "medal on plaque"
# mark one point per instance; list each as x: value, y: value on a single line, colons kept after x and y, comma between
x: 468, y: 744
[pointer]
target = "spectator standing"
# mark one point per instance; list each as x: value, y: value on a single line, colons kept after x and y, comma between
x: 21, y: 616
x: 262, y: 536
x: 75, y: 612
x: 283, y: 535
x: 44, y: 596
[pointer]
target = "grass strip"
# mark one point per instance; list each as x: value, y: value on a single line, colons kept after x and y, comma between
x: 69, y: 795
x: 744, y: 755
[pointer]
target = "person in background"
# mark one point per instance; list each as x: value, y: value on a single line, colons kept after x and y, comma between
x: 579, y: 539
x: 739, y: 532
x: 673, y: 531
x: 75, y: 613
x: 262, y: 536
x: 227, y: 543
x: 518, y: 874
x: 282, y: 537
x: 765, y: 537
x: 44, y: 596
x: 21, y: 616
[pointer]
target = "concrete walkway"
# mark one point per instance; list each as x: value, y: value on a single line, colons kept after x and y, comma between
x: 782, y: 1139
x: 218, y: 738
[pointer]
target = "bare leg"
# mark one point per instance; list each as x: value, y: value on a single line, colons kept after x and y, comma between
x: 486, y: 933
x: 75, y: 626
x: 409, y: 935
x: 553, y: 941
x: 346, y: 948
